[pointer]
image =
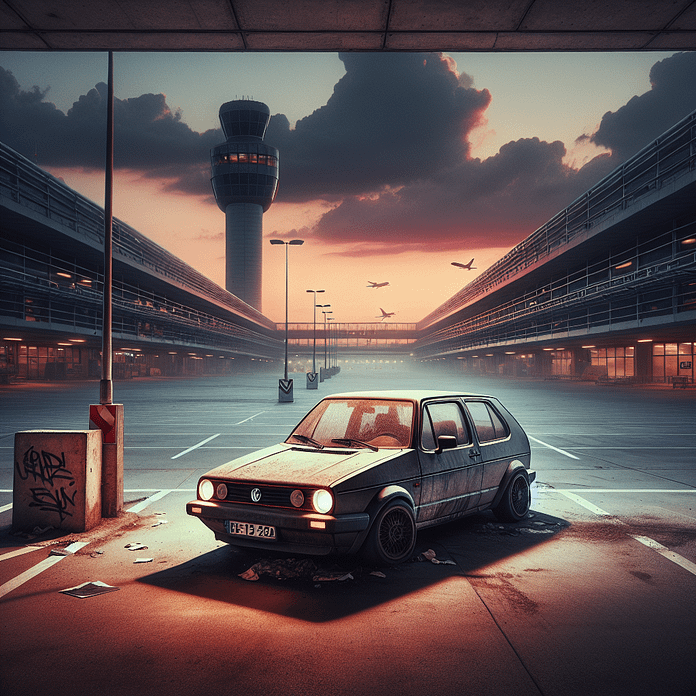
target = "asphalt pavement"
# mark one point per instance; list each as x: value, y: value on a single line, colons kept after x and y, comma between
x: 593, y: 593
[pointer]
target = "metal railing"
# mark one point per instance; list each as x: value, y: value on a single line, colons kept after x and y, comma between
x: 25, y: 184
x: 662, y: 162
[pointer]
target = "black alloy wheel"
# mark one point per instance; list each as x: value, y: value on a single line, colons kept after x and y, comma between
x: 392, y: 537
x: 514, y: 505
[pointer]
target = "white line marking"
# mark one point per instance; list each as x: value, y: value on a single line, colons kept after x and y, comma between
x: 38, y: 568
x: 621, y: 490
x: 143, y: 504
x: 555, y: 449
x: 19, y: 552
x: 250, y: 418
x: 586, y: 504
x: 200, y: 444
x: 664, y: 551
x: 139, y: 447
x: 5, y: 508
x: 646, y: 541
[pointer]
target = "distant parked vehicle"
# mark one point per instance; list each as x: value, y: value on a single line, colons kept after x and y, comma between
x: 364, y: 471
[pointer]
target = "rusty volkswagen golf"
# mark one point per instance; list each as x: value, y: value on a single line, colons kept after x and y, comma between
x: 364, y: 471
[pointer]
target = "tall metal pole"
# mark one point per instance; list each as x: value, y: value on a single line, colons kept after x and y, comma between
x: 106, y: 393
x: 314, y: 328
x: 108, y: 416
x: 285, y: 387
x: 286, y: 311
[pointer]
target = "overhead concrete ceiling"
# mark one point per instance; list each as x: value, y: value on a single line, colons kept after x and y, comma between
x: 347, y: 25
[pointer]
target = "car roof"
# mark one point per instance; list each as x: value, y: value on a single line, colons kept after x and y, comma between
x: 410, y: 394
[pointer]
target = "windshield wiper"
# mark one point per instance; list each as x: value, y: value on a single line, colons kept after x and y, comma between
x: 349, y: 441
x: 308, y: 441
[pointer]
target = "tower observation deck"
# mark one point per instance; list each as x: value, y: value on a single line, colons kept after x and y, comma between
x: 245, y: 182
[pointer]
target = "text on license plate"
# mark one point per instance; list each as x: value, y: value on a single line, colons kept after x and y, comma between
x: 250, y: 530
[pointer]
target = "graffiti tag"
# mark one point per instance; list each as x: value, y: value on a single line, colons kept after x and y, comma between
x: 50, y: 470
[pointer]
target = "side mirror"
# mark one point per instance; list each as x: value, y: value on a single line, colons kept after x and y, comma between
x: 445, y: 442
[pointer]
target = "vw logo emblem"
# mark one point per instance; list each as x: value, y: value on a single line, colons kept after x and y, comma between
x: 255, y: 495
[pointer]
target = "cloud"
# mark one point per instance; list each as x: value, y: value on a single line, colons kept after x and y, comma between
x: 392, y: 119
x: 672, y: 97
x: 389, y: 151
x: 495, y: 202
x: 148, y: 136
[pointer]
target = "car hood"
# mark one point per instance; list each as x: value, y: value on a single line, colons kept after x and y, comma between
x: 293, y: 465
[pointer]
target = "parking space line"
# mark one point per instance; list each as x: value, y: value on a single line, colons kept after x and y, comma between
x: 5, y: 508
x: 249, y: 418
x: 646, y: 541
x: 38, y: 568
x: 664, y: 551
x: 19, y: 552
x: 585, y: 503
x: 555, y: 449
x: 623, y: 490
x: 148, y: 501
x: 196, y: 446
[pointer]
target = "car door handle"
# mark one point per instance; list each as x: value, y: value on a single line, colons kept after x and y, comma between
x: 474, y: 453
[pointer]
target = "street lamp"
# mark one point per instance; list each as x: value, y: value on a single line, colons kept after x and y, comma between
x: 324, y: 373
x: 332, y: 344
x: 312, y: 376
x: 285, y: 384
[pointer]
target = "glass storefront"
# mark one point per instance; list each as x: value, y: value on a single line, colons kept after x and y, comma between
x: 619, y: 361
x: 672, y: 360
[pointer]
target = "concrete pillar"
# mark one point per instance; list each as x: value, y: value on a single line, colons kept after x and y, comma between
x: 57, y: 480
x: 108, y: 419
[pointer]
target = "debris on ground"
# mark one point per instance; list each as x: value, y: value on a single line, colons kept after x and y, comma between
x: 36, y: 532
x: 378, y: 574
x: 96, y: 554
x: 143, y: 560
x: 527, y: 526
x: 89, y: 589
x: 431, y: 556
x: 135, y: 546
x: 281, y: 569
x: 340, y: 576
x: 159, y: 522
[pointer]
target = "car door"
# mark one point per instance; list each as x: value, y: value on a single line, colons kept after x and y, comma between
x: 493, y: 435
x: 451, y: 478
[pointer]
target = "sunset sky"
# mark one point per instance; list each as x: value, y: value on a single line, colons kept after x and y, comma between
x: 392, y: 165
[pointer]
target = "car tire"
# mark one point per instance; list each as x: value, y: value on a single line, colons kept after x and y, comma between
x: 514, y: 505
x: 392, y: 537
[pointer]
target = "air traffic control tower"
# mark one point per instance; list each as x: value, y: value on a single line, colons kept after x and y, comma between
x: 245, y: 181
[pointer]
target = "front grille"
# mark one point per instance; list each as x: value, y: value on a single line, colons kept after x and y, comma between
x: 271, y: 496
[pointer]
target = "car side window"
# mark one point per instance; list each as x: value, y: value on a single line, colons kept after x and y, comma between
x: 444, y: 418
x: 489, y: 425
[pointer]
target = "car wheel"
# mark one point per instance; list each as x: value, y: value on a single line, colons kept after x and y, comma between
x: 392, y: 536
x: 514, y: 505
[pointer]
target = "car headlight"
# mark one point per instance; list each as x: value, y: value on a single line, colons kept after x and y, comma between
x: 206, y: 489
x: 322, y: 501
x: 221, y: 491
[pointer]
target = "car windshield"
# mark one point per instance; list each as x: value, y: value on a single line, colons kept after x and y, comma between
x: 357, y: 423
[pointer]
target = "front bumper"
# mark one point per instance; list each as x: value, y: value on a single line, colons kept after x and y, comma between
x: 296, y: 532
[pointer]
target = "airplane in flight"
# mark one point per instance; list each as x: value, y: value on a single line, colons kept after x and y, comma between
x: 385, y: 315
x: 465, y: 266
x: 376, y: 285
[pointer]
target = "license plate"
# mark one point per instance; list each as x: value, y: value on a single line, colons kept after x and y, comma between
x: 263, y: 531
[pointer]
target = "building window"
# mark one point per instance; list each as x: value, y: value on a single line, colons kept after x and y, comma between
x: 673, y: 360
x: 618, y: 361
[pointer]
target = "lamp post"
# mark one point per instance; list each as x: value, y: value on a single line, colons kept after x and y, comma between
x: 332, y: 342
x: 324, y: 373
x: 285, y: 385
x: 312, y: 376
